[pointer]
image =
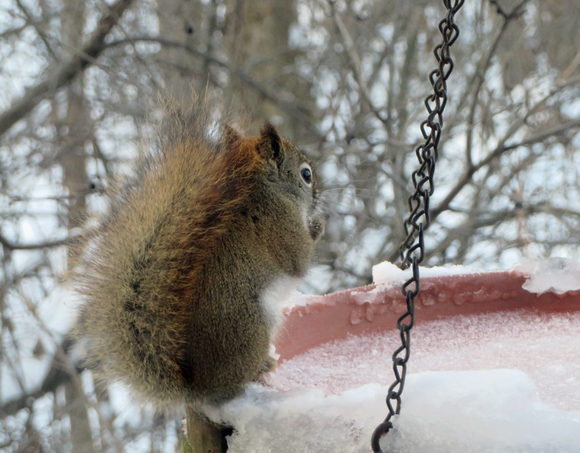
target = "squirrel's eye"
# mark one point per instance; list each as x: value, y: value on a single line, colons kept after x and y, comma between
x: 306, y: 173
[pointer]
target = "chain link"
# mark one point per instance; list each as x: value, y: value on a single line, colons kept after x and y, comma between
x: 412, y: 250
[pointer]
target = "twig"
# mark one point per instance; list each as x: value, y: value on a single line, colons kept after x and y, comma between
x: 202, y: 435
x: 480, y: 76
x: 285, y: 106
x: 569, y: 70
x: 30, y: 20
x: 516, y: 12
x: 40, y: 245
x: 62, y: 357
x: 355, y: 62
x: 499, y: 9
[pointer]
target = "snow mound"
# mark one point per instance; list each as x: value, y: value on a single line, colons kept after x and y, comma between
x: 558, y: 275
x: 451, y: 412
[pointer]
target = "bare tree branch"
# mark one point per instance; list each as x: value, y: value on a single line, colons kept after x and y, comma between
x: 67, y: 72
x: 466, y: 179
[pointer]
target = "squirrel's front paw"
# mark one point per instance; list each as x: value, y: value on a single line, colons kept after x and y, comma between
x: 268, y: 366
x: 316, y: 228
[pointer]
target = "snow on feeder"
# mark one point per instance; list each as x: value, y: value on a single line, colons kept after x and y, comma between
x: 471, y: 326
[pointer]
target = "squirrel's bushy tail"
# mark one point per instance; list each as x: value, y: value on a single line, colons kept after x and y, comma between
x: 143, y: 261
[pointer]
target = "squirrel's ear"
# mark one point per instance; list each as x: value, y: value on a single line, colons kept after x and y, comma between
x: 270, y: 141
x: 230, y: 136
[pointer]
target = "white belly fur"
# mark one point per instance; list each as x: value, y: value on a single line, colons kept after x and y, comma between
x: 274, y: 297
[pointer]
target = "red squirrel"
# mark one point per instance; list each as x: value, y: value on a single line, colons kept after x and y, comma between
x: 180, y: 280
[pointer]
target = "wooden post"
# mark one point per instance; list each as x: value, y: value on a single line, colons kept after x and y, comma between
x: 202, y: 435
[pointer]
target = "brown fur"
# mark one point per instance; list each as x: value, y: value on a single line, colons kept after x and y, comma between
x: 172, y: 279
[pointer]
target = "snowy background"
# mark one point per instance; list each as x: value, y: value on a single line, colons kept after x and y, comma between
x: 507, y: 188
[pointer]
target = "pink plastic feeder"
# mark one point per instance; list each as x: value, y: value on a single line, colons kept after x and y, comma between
x: 494, y: 367
x: 376, y: 308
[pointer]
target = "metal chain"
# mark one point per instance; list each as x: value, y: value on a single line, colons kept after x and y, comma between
x: 412, y: 250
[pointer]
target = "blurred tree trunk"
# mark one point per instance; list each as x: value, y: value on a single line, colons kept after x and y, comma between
x: 187, y: 22
x: 76, y: 181
x: 73, y: 129
x: 257, y: 39
x: 251, y: 37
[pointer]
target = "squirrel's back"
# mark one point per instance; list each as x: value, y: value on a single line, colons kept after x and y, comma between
x: 174, y: 281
